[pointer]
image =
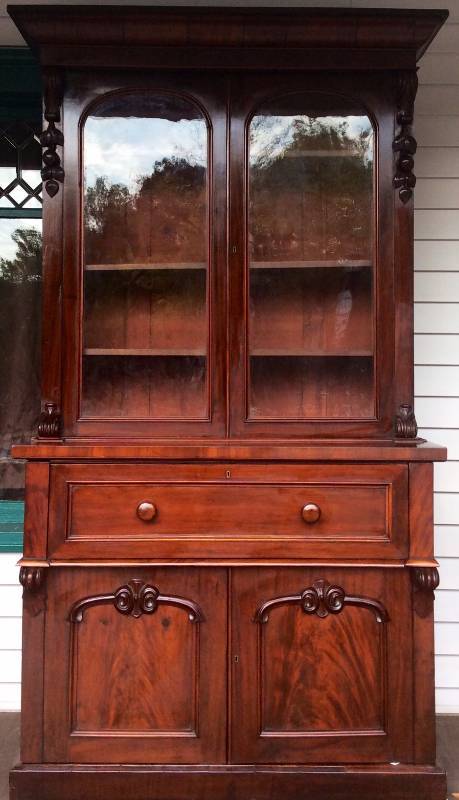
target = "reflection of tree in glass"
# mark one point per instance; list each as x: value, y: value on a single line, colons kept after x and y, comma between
x: 310, y: 188
x: 26, y: 265
x: 163, y: 219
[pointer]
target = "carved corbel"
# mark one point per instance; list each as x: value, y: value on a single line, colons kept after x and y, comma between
x: 405, y: 423
x: 49, y: 422
x: 31, y: 578
x: 52, y: 172
x: 425, y: 579
x: 404, y: 144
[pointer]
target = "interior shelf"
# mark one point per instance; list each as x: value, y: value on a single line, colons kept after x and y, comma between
x: 128, y: 351
x: 315, y: 264
x: 268, y: 352
x: 156, y: 266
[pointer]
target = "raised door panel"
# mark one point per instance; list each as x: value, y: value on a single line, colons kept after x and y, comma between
x: 135, y: 665
x: 320, y: 666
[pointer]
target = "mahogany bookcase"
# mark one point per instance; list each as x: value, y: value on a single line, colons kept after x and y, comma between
x: 228, y: 564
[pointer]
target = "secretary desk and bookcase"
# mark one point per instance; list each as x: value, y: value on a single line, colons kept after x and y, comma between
x: 228, y: 563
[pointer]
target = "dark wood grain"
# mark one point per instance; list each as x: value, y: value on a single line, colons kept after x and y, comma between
x: 228, y: 564
x: 306, y: 713
x: 145, y: 689
x: 36, y: 510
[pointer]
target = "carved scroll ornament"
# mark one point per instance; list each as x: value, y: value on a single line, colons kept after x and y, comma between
x: 52, y: 172
x: 31, y: 578
x: 405, y: 423
x: 426, y: 579
x: 49, y: 423
x: 322, y: 599
x: 404, y: 144
x: 134, y: 599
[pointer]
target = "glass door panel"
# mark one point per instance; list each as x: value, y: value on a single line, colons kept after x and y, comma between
x: 145, y: 316
x: 310, y: 260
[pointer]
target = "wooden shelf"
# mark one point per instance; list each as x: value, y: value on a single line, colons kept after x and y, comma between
x: 201, y: 265
x: 268, y: 352
x: 322, y: 154
x: 317, y: 264
x: 163, y: 351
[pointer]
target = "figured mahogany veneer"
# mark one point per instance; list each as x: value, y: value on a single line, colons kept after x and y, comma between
x: 228, y: 573
x: 228, y: 511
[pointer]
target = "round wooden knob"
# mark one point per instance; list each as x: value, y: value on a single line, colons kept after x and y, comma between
x: 146, y: 511
x: 310, y: 512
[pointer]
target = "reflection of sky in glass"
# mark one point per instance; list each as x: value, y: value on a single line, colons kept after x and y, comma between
x: 122, y: 149
x: 8, y: 248
x: 270, y: 135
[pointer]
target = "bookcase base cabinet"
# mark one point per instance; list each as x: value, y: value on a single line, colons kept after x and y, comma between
x: 223, y: 782
x: 310, y: 674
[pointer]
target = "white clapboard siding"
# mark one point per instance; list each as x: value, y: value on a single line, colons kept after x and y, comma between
x: 436, y: 349
x: 439, y: 68
x: 437, y: 162
x: 10, y: 696
x: 435, y: 224
x: 434, y: 255
x: 446, y: 639
x: 436, y: 381
x: 447, y: 701
x: 437, y: 192
x: 447, y: 540
x: 445, y: 669
x: 447, y: 476
x: 442, y: 412
x: 10, y: 633
x: 436, y: 286
x: 446, y: 508
x: 444, y: 97
x: 447, y: 606
x: 449, y: 571
x: 447, y: 40
x: 436, y: 318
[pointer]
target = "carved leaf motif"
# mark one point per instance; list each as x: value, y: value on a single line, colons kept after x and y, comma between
x: 52, y: 172
x: 404, y: 143
x: 322, y: 599
x: 49, y: 423
x: 405, y: 423
x: 134, y: 599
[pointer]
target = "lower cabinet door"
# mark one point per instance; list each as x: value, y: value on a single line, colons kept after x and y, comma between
x: 321, y: 665
x: 135, y: 665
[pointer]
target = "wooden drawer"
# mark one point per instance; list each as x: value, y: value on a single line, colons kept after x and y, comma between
x: 228, y: 511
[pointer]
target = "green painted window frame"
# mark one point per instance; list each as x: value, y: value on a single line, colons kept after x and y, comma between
x: 20, y: 96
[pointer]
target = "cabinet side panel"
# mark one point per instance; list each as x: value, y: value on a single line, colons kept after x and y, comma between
x: 33, y: 638
x: 36, y: 510
x: 424, y: 676
x: 421, y: 511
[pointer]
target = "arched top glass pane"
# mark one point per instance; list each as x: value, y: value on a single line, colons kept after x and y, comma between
x: 314, y: 152
x: 310, y: 256
x: 145, y: 258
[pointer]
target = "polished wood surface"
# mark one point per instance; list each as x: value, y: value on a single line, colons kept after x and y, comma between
x: 145, y: 689
x: 228, y: 567
x: 335, y: 697
x: 228, y: 511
